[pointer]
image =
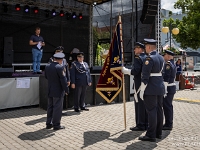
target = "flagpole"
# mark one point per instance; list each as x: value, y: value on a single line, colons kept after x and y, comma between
x: 123, y: 83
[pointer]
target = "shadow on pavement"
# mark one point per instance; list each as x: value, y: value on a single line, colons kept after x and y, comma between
x: 125, y: 137
x: 70, y: 113
x: 21, y: 112
x: 37, y: 135
x: 146, y: 145
x: 143, y: 145
x: 92, y: 137
x: 33, y: 122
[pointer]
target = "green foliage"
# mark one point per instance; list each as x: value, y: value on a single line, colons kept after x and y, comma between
x: 99, y: 61
x: 176, y: 51
x: 189, y: 26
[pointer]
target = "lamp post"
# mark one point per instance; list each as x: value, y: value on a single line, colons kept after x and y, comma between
x: 169, y: 26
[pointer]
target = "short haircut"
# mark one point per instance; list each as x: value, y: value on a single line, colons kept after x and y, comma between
x: 37, y: 28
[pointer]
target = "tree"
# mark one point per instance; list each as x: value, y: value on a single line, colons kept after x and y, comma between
x: 189, y: 26
x: 99, y: 48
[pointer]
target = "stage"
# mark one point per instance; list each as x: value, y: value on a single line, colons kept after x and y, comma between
x: 19, y: 91
x: 25, y: 89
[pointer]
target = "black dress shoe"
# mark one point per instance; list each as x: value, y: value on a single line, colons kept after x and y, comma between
x: 167, y: 128
x: 136, y: 129
x: 159, y: 136
x: 49, y: 126
x: 85, y: 109
x: 58, y: 128
x: 76, y: 110
x: 146, y: 138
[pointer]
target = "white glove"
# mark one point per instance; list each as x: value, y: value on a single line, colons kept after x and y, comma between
x: 142, y: 89
x: 165, y: 84
x: 126, y: 71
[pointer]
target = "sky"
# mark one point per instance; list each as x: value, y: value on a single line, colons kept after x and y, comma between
x: 169, y: 5
x: 117, y: 6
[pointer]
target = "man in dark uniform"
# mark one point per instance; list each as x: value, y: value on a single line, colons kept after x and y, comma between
x: 80, y: 80
x: 169, y: 75
x: 60, y: 49
x: 57, y: 88
x: 140, y: 112
x: 152, y: 90
x: 73, y: 56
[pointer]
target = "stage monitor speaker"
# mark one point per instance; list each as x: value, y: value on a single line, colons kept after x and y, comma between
x: 8, y: 51
x: 149, y: 11
x: 6, y: 72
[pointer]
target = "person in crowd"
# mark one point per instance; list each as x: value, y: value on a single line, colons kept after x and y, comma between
x: 169, y: 75
x: 178, y: 67
x: 60, y: 49
x: 152, y: 91
x: 80, y: 80
x: 140, y: 112
x: 73, y: 55
x: 57, y: 88
x: 37, y: 43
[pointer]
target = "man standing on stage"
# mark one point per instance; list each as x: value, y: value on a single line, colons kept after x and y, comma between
x: 141, y: 117
x: 57, y: 88
x: 37, y: 43
x: 169, y: 75
x: 152, y: 91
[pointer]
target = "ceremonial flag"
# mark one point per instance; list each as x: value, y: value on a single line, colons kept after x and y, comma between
x: 110, y: 81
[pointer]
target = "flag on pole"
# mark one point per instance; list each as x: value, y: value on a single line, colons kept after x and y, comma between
x: 110, y: 81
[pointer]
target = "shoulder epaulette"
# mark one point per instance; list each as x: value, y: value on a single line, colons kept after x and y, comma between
x: 137, y: 57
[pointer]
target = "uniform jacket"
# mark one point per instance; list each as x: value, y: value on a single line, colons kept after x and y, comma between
x: 169, y: 75
x: 137, y: 69
x: 66, y: 70
x: 153, y: 63
x: 80, y: 75
x: 57, y: 81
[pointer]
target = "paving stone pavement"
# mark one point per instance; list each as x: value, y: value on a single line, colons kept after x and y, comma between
x: 101, y: 128
x: 188, y: 95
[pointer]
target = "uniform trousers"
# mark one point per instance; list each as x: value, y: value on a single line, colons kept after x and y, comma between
x: 79, y: 96
x: 141, y: 116
x: 168, y: 109
x: 54, y: 111
x: 153, y: 105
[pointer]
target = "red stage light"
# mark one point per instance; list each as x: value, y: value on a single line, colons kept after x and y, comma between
x: 17, y: 7
x: 61, y: 13
x: 35, y: 9
x: 80, y: 16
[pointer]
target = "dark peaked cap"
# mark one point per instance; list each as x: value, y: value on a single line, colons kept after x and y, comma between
x: 80, y: 54
x: 150, y: 41
x: 138, y: 44
x: 169, y: 52
x: 59, y: 55
x: 59, y: 48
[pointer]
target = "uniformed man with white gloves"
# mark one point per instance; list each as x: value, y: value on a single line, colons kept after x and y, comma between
x: 141, y: 117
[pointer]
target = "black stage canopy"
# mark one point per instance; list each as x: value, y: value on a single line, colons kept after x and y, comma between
x: 96, y: 2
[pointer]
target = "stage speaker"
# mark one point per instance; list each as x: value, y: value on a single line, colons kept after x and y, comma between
x: 149, y: 11
x: 6, y: 72
x: 8, y: 51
